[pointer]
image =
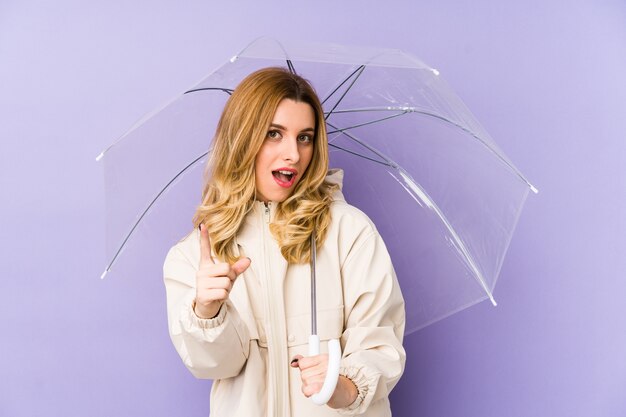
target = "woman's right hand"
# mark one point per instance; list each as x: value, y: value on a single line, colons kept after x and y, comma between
x: 214, y: 280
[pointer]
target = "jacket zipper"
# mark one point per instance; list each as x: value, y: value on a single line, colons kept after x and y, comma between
x: 273, y: 343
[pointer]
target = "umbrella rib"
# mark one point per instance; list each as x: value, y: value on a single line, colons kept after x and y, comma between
x: 358, y: 73
x: 387, y: 162
x: 148, y: 116
x: 356, y: 154
x: 407, y: 110
x: 132, y: 230
x: 368, y: 123
x: 226, y: 90
x: 370, y: 109
x: 341, y: 84
x: 360, y: 68
x: 290, y: 66
x: 420, y: 195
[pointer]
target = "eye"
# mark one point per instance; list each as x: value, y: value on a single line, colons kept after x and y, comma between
x: 305, y: 139
x: 273, y: 134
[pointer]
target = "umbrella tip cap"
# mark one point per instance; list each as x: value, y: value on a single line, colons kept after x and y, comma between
x: 493, y: 300
x: 99, y: 157
x: 534, y: 189
x: 104, y: 274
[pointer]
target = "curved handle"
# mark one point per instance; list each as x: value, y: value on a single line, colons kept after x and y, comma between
x: 332, y: 373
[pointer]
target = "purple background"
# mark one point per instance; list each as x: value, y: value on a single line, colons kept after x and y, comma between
x: 546, y: 79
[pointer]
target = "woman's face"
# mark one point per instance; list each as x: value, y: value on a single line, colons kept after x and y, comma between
x: 286, y: 151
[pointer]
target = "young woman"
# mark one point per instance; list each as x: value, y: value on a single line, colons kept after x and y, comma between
x: 238, y: 287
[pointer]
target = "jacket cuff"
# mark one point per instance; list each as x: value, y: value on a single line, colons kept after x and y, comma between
x: 365, y: 386
x: 201, y: 323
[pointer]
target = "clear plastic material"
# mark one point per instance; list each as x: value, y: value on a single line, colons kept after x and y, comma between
x: 442, y: 194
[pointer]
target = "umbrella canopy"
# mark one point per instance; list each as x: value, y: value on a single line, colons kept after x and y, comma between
x: 442, y: 194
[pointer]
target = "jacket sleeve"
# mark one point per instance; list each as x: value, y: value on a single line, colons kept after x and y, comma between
x: 210, y: 348
x: 373, y: 356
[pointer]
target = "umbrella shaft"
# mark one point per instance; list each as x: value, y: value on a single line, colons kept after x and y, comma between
x: 313, y: 294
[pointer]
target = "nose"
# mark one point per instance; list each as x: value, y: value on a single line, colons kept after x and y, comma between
x: 290, y: 150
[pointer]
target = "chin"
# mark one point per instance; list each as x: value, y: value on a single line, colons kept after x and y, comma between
x: 277, y: 196
x: 280, y: 198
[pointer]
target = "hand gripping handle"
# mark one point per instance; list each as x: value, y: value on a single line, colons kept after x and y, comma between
x: 332, y: 373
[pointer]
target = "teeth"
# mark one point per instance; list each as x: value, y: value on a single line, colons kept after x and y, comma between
x: 286, y: 172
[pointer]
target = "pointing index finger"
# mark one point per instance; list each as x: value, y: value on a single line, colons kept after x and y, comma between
x: 205, y: 245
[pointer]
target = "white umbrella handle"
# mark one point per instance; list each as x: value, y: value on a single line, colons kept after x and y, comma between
x: 332, y: 373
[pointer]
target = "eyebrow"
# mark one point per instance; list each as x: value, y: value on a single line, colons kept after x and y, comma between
x: 280, y: 127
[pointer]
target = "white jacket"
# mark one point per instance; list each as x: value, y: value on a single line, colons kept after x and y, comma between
x: 247, y: 348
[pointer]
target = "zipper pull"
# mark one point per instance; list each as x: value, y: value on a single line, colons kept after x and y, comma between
x: 267, y: 213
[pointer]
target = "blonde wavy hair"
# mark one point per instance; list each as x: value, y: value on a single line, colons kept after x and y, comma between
x: 229, y: 192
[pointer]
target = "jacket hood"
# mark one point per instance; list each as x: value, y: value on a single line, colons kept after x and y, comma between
x: 335, y: 176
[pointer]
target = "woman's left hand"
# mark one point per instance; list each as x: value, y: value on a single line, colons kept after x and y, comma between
x: 313, y: 372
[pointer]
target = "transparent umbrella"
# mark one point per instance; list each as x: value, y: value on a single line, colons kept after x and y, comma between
x: 442, y: 194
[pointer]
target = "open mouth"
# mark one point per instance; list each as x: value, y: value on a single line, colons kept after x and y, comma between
x: 284, y: 178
